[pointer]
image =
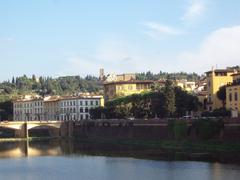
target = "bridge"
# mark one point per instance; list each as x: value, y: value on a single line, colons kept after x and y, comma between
x: 56, y: 128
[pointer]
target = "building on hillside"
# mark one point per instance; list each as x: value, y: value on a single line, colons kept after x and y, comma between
x: 120, y: 77
x: 233, y: 95
x: 126, y: 77
x: 186, y: 85
x: 201, y: 92
x: 125, y: 88
x: 55, y: 108
x: 101, y: 74
x: 215, y: 79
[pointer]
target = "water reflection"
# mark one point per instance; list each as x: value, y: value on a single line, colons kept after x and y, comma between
x: 58, y: 159
x: 28, y: 149
x: 78, y: 148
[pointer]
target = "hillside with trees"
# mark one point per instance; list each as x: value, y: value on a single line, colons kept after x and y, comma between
x: 49, y: 86
x: 164, y: 75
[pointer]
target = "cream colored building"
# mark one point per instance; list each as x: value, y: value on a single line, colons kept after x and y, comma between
x: 120, y: 77
x: 186, y: 85
x: 55, y: 107
x: 28, y: 109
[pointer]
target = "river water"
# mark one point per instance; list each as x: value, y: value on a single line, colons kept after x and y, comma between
x: 75, y: 160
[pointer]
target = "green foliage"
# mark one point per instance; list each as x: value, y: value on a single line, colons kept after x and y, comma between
x: 164, y: 102
x: 169, y: 96
x: 96, y: 113
x: 164, y: 75
x: 177, y: 129
x: 51, y: 86
x: 207, y: 129
x: 221, y: 112
x: 221, y: 94
x: 6, y: 110
x: 184, y: 102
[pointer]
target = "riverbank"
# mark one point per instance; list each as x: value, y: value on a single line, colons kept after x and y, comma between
x: 183, y: 145
x: 177, y: 145
x: 27, y: 139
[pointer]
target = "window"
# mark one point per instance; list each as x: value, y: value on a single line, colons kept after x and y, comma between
x: 87, y: 116
x: 86, y: 103
x: 91, y: 102
x: 210, y: 108
x: 230, y: 96
x: 81, y: 103
x: 96, y: 103
x: 81, y: 110
x: 235, y: 96
x: 86, y: 109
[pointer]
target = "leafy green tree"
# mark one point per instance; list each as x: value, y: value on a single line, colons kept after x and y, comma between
x: 221, y: 94
x: 169, y: 97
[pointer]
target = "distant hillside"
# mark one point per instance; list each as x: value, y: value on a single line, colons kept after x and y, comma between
x: 48, y: 85
x: 164, y: 75
x: 69, y: 85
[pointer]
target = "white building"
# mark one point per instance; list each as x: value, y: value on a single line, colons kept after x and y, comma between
x: 77, y: 108
x: 28, y: 109
x: 66, y: 108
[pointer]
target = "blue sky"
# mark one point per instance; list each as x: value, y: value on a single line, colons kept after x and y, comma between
x: 75, y: 37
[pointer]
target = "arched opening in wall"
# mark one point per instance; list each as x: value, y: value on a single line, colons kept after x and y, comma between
x: 7, y: 132
x: 43, y: 131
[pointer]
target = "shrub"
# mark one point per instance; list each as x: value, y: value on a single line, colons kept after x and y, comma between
x: 207, y: 129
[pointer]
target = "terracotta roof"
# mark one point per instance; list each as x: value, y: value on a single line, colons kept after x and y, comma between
x: 79, y: 97
x: 221, y: 70
x: 236, y: 74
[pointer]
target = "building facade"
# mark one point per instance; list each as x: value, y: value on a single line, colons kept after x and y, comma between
x: 56, y: 108
x: 125, y: 88
x: 233, y: 95
x: 77, y: 108
x: 28, y: 109
x: 215, y: 79
x: 188, y: 86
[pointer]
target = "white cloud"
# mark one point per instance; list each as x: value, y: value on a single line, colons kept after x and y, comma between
x: 221, y: 48
x: 195, y: 9
x: 155, y: 30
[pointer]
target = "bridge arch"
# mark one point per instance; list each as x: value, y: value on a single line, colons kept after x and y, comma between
x: 31, y: 126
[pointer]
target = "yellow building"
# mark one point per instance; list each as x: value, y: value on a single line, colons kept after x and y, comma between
x: 215, y: 79
x: 233, y: 95
x: 123, y: 88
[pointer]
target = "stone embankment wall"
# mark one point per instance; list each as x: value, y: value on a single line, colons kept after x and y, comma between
x: 150, y: 129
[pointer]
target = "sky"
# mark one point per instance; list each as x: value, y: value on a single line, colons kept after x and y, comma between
x: 76, y: 37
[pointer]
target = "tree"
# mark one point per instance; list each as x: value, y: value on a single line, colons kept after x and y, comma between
x: 13, y: 80
x: 169, y: 97
x: 221, y: 94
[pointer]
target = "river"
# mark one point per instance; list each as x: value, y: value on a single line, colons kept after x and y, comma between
x: 58, y: 160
